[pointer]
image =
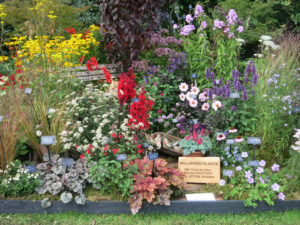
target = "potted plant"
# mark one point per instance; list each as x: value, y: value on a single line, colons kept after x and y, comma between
x: 196, y: 144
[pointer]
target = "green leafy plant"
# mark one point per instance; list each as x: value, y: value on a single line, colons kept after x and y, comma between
x: 108, y: 175
x: 268, y: 185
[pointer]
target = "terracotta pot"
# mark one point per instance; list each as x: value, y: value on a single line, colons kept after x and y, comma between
x: 195, y: 154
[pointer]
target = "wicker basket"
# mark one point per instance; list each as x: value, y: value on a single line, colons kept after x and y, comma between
x: 171, y: 139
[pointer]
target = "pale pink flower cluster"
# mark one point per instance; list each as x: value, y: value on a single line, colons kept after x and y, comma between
x: 193, y: 94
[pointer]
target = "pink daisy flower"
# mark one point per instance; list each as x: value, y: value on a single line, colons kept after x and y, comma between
x: 205, y: 107
x: 183, y: 87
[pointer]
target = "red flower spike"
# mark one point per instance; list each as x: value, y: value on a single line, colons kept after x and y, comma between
x: 82, y: 156
x: 88, y: 151
x: 114, y: 135
x: 90, y: 146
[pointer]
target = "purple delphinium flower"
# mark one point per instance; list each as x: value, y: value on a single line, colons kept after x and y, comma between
x: 222, y: 182
x: 245, y: 95
x: 275, y: 187
x: 248, y: 174
x: 235, y: 74
x: 260, y: 170
x: 245, y: 79
x: 233, y: 108
x: 275, y: 167
x: 249, y: 67
x: 281, y: 196
x: 207, y: 74
x: 262, y: 163
x: 238, y: 168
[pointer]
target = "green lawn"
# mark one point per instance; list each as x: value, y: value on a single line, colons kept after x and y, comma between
x: 270, y: 218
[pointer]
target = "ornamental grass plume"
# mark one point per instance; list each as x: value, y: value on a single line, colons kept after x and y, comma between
x: 10, y: 126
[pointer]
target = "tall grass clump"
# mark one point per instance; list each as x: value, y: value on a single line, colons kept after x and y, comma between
x: 277, y: 95
x: 9, y: 126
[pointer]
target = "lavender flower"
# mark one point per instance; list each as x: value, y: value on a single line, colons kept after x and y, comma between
x: 238, y: 168
x: 275, y: 167
x: 198, y: 10
x: 248, y: 174
x: 222, y: 182
x: 233, y: 108
x: 261, y: 180
x: 231, y: 17
x: 281, y: 196
x: 235, y: 74
x: 244, y: 154
x: 189, y: 18
x: 207, y: 74
x: 262, y: 163
x: 203, y: 25
x: 275, y: 187
x: 187, y: 29
x: 260, y: 170
x: 250, y: 180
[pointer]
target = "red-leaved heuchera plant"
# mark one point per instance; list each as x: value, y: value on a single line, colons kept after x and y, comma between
x: 154, y: 186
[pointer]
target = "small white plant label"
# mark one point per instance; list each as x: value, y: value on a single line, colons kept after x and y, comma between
x: 48, y: 140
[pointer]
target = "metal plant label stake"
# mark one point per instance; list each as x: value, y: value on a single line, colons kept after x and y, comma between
x: 121, y: 157
x: 153, y: 156
x: 254, y: 141
x: 48, y: 140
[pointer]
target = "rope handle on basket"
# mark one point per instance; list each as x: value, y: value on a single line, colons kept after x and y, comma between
x: 164, y: 136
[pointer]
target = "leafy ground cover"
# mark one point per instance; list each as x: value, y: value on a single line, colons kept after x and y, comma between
x: 268, y: 218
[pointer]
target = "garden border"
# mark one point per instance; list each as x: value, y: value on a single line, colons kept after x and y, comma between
x: 115, y: 207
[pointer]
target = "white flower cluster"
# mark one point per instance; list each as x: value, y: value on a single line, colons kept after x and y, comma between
x: 296, y: 147
x: 268, y: 43
x: 21, y: 171
x: 92, y: 117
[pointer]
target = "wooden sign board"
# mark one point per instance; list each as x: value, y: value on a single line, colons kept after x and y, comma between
x: 200, y: 169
